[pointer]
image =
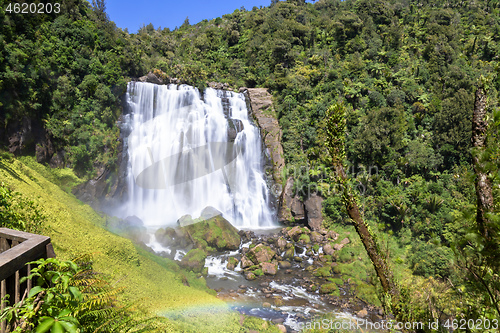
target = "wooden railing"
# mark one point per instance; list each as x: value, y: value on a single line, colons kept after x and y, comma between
x: 17, y: 249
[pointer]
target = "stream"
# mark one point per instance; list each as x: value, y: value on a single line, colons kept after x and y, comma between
x: 284, y: 298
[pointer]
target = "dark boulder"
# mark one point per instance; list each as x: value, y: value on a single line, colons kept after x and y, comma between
x: 313, y: 209
x: 291, y: 207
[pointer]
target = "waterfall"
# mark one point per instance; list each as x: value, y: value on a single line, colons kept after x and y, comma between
x: 186, y: 152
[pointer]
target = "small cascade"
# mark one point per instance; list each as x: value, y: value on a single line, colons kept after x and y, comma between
x: 188, y: 151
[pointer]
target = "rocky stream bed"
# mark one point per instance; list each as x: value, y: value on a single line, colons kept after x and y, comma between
x: 294, y: 292
x: 286, y: 275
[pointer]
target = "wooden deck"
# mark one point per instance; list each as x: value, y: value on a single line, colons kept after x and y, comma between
x: 17, y: 249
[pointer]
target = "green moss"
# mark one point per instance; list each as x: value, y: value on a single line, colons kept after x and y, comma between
x: 345, y: 255
x: 316, y: 248
x: 232, y: 261
x: 339, y: 282
x: 368, y: 293
x: 322, y: 271
x: 258, y: 272
x: 304, y: 238
x: 329, y: 288
x: 327, y: 258
x: 194, y: 260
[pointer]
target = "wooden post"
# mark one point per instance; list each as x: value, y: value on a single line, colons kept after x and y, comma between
x: 4, y: 246
x: 29, y: 282
x: 3, y: 292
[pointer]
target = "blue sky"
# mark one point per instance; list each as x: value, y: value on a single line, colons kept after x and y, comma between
x: 133, y: 14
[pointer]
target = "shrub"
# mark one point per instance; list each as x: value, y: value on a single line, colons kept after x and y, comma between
x: 68, y: 296
x: 429, y: 260
x: 18, y: 212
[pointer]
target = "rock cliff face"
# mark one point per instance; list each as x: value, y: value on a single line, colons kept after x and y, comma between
x: 108, y: 188
x: 260, y: 102
x: 291, y: 207
x: 27, y: 136
x: 261, y: 105
x: 314, y: 216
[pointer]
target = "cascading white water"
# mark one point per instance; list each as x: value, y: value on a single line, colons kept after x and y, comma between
x: 181, y: 158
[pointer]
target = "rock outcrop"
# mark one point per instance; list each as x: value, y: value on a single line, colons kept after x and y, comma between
x: 105, y: 191
x: 159, y: 77
x: 261, y: 102
x: 28, y: 136
x: 313, y: 209
x: 291, y: 207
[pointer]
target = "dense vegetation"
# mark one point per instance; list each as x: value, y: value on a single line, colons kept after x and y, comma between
x: 406, y: 71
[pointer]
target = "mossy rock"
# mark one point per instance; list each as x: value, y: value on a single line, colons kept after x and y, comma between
x: 325, y: 258
x: 329, y: 288
x: 258, y: 272
x: 194, y: 260
x: 215, y: 234
x: 289, y: 253
x: 305, y: 239
x: 232, y: 262
x: 261, y: 253
x: 337, y: 281
x: 322, y: 271
x: 296, y: 232
x: 346, y: 256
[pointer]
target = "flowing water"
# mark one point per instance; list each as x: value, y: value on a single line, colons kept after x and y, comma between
x: 187, y: 151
